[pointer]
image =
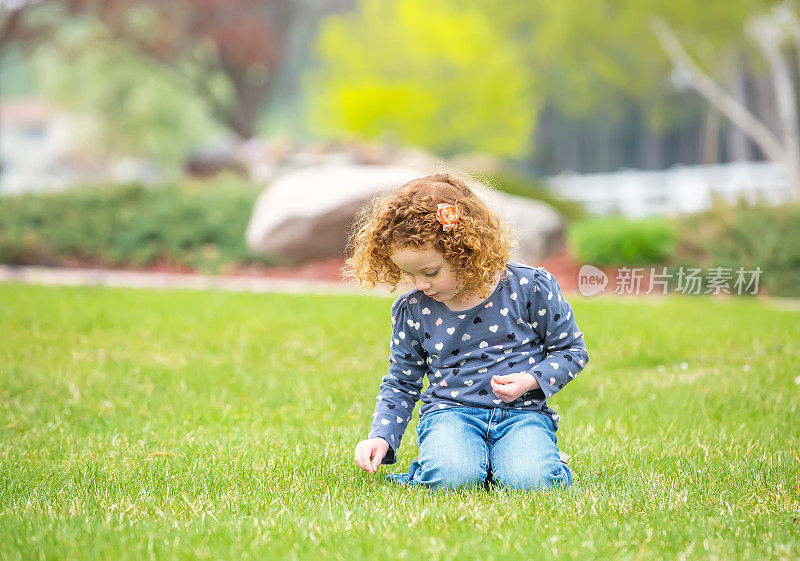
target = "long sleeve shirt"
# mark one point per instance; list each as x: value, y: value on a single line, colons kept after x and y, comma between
x: 526, y: 325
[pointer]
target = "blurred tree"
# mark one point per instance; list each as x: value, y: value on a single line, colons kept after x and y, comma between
x: 134, y: 107
x: 769, y: 32
x: 595, y: 56
x: 17, y: 32
x: 160, y: 77
x: 430, y: 73
x: 240, y: 43
x: 21, y: 23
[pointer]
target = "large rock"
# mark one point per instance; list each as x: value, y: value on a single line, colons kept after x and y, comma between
x: 307, y: 214
x: 539, y: 228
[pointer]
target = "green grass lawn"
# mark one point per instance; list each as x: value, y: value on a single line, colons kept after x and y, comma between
x: 137, y: 424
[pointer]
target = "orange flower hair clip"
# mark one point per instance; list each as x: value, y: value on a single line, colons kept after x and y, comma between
x: 447, y: 215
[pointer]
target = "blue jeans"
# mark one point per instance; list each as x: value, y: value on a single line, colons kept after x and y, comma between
x: 469, y: 446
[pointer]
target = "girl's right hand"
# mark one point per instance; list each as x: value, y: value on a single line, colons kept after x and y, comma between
x: 370, y: 453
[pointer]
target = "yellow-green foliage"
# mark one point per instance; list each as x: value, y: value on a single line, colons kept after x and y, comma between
x: 429, y: 73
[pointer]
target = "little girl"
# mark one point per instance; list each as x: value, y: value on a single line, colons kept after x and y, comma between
x: 495, y: 338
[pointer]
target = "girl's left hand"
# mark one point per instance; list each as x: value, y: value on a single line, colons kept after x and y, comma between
x: 510, y: 386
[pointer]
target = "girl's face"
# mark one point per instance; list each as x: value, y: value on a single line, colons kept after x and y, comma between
x: 429, y: 272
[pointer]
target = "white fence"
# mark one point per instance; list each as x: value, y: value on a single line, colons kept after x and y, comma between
x: 685, y: 189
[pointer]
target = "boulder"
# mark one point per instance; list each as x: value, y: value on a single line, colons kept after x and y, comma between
x: 539, y: 228
x: 308, y: 214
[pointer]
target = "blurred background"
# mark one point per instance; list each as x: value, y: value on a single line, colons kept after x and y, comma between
x: 241, y: 136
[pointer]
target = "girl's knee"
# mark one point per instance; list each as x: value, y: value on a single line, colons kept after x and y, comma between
x: 529, y: 478
x: 455, y: 476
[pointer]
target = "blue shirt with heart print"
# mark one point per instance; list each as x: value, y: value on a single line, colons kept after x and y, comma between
x: 526, y: 325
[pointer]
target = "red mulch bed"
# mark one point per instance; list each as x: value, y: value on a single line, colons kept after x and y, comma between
x: 562, y: 264
x: 565, y: 267
x: 322, y: 269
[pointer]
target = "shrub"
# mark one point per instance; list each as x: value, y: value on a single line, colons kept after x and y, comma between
x: 198, y: 225
x: 618, y: 241
x: 744, y: 235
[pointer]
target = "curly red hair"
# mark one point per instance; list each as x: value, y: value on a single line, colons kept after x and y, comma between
x: 478, y: 247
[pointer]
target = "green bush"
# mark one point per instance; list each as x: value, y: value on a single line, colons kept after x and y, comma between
x: 619, y: 241
x: 198, y: 225
x: 744, y: 235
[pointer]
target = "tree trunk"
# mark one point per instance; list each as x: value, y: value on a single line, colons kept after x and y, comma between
x: 764, y: 104
x: 651, y: 149
x: 710, y: 137
x: 605, y: 142
x: 767, y: 36
x: 736, y: 141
